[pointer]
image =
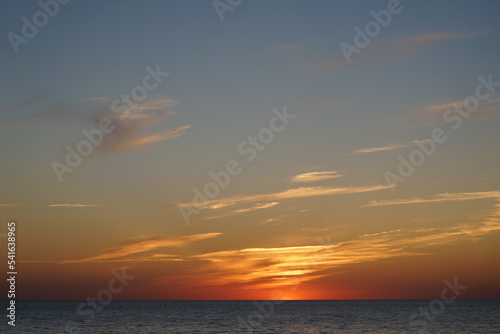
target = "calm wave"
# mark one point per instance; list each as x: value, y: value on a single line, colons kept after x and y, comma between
x: 262, y: 317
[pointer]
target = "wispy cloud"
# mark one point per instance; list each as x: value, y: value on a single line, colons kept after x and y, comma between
x: 131, y: 125
x: 283, y: 266
x: 74, y: 205
x: 434, y: 37
x: 148, y: 140
x: 258, y: 206
x: 389, y: 147
x: 445, y: 197
x: 271, y: 267
x: 316, y: 176
x: 432, y: 115
x: 380, y: 51
x: 302, y: 192
x: 275, y: 219
x: 140, y: 245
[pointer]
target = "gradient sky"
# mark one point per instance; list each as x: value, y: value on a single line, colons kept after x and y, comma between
x: 312, y: 216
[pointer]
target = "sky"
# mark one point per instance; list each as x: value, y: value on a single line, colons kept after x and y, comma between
x: 251, y: 150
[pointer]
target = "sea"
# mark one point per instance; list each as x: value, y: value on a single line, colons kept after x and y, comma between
x: 369, y: 316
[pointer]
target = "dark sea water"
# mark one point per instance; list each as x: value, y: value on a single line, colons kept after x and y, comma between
x: 413, y: 316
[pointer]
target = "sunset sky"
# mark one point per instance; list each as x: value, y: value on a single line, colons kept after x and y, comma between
x: 308, y: 143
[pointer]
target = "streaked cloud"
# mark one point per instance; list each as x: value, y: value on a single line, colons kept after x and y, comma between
x: 275, y: 219
x: 445, y: 197
x: 432, y: 115
x: 316, y: 176
x: 258, y: 206
x: 389, y: 147
x: 132, y: 124
x: 148, y: 140
x: 74, y: 205
x: 285, y: 266
x: 143, y: 244
x: 302, y: 192
x: 280, y: 267
x: 434, y: 37
x: 381, y: 51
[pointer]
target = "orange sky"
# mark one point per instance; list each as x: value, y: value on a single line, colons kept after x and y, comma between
x: 396, y: 264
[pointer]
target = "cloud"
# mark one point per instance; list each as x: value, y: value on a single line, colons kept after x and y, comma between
x: 140, y: 245
x: 8, y: 205
x: 275, y: 219
x: 302, y: 192
x: 435, y: 37
x: 389, y: 147
x: 432, y: 115
x: 272, y: 267
x: 148, y: 140
x: 285, y: 266
x: 74, y: 205
x: 381, y: 51
x: 258, y: 206
x: 316, y: 176
x: 446, y: 197
x: 130, y: 125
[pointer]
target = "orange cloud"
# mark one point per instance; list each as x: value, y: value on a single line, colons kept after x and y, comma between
x: 258, y: 206
x: 389, y: 147
x: 285, y: 266
x: 302, y: 192
x: 141, y: 245
x: 446, y: 197
x: 148, y: 140
x: 74, y: 205
x: 316, y: 176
